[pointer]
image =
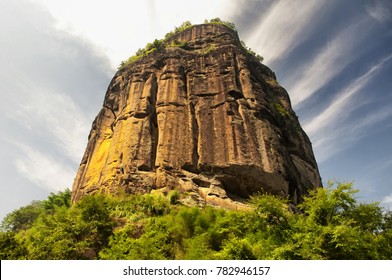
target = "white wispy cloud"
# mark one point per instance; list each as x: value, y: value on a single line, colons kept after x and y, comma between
x: 330, y: 131
x: 51, y: 85
x: 368, y: 121
x: 387, y: 201
x: 135, y: 22
x: 283, y: 27
x: 58, y: 117
x: 380, y: 11
x: 340, y: 135
x: 339, y: 108
x: 327, y: 64
x: 44, y: 170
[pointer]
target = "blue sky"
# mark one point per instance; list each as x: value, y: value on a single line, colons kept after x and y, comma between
x: 57, y: 58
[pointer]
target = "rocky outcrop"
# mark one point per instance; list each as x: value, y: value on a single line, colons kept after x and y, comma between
x: 202, y: 116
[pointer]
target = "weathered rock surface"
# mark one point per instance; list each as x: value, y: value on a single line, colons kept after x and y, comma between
x: 210, y: 121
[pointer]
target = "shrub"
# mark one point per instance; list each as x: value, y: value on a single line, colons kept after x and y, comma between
x: 331, y: 225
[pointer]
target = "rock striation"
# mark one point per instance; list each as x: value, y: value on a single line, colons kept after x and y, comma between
x: 202, y: 116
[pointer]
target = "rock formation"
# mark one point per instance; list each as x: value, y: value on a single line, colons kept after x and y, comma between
x: 203, y: 116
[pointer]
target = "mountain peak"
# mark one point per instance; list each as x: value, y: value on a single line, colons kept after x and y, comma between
x: 197, y: 113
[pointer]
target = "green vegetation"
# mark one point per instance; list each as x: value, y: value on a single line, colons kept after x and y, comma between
x: 228, y: 24
x: 179, y: 44
x: 330, y: 224
x: 158, y: 45
x: 251, y: 52
x: 184, y: 26
x: 208, y: 50
x: 282, y: 111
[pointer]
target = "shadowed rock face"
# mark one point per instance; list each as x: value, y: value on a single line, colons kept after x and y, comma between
x: 209, y: 120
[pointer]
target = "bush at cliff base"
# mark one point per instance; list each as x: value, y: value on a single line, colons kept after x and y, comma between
x: 329, y: 224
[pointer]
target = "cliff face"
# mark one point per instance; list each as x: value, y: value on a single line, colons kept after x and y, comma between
x: 207, y: 119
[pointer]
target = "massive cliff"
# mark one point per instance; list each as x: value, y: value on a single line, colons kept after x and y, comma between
x: 200, y: 115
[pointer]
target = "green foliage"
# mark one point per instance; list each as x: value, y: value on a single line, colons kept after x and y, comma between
x: 54, y: 201
x: 10, y: 247
x: 179, y: 44
x: 229, y: 24
x: 208, y: 50
x: 185, y: 25
x: 329, y: 205
x: 282, y: 111
x: 76, y: 233
x: 173, y: 197
x: 331, y: 225
x: 251, y: 52
x: 337, y: 227
x: 237, y: 249
x: 158, y: 45
x: 23, y: 217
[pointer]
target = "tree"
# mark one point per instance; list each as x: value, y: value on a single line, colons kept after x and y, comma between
x: 217, y: 20
x: 22, y: 218
x: 335, y: 226
x: 61, y: 199
x: 79, y: 232
x: 10, y: 247
x: 331, y: 224
x: 183, y: 26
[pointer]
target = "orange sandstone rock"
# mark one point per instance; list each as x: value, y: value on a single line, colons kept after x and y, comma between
x: 210, y: 121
